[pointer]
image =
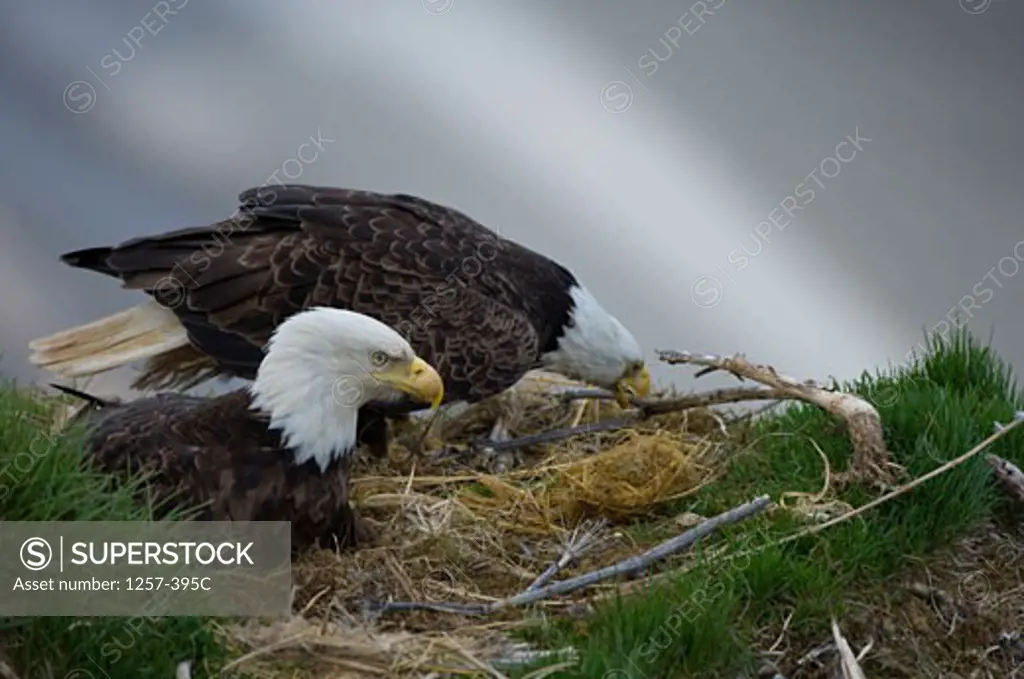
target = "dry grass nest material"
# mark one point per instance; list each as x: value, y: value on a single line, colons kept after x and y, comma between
x: 631, y: 477
x: 449, y: 530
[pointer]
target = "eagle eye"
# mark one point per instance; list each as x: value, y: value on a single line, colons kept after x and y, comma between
x: 379, y: 359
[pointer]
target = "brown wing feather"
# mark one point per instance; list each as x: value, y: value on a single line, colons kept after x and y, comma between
x: 477, y: 306
x: 217, y: 455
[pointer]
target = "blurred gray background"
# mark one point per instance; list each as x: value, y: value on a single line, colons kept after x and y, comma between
x: 664, y: 151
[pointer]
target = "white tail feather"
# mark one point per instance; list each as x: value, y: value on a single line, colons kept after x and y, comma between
x: 141, y: 332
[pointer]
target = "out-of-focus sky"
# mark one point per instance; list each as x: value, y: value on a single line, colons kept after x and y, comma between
x: 811, y: 183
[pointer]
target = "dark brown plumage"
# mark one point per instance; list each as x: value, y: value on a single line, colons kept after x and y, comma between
x: 479, y: 308
x: 217, y: 454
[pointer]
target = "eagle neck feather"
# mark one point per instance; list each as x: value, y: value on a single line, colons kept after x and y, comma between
x: 593, y: 345
x: 312, y: 424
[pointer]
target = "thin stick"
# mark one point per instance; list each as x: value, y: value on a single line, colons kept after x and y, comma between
x: 556, y: 434
x: 183, y: 670
x: 710, y: 398
x: 476, y: 662
x: 851, y: 668
x: 871, y: 458
x: 660, y: 406
x: 264, y: 650
x: 1009, y: 476
x: 646, y: 410
x: 627, y: 566
x: 751, y: 414
x: 583, y: 538
x: 6, y: 671
x: 428, y: 428
x: 576, y: 394
x: 907, y: 487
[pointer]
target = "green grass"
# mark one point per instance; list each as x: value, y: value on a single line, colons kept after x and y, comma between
x: 701, y: 623
x: 44, y: 478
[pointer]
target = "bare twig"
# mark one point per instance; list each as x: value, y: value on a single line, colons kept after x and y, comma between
x: 660, y: 406
x: 848, y: 661
x: 183, y: 670
x: 625, y: 567
x: 710, y: 398
x: 1009, y: 476
x: 556, y: 435
x: 596, y: 394
x: 520, y: 655
x: 815, y: 653
x: 906, y: 488
x: 584, y: 537
x: 932, y: 595
x: 872, y: 460
x: 6, y: 671
x: 782, y: 635
x: 1017, y: 416
x: 751, y: 414
x: 646, y: 409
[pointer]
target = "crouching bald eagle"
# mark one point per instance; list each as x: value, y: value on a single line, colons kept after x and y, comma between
x: 279, y: 449
x: 480, y: 308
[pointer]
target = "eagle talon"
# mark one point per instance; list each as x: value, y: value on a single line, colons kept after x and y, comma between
x: 353, y: 530
x: 635, y: 384
x: 624, y: 397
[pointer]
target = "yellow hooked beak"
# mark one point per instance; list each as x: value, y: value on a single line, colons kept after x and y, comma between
x: 418, y: 379
x: 635, y: 384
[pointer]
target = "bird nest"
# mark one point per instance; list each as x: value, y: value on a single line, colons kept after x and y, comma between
x: 465, y: 524
x: 463, y: 528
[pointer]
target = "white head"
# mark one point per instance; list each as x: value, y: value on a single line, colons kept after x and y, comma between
x: 597, y: 348
x: 321, y: 366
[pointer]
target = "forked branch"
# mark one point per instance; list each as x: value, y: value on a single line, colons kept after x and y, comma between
x: 871, y: 458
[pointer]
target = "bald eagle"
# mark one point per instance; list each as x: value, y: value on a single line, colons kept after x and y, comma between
x: 279, y: 449
x: 480, y: 308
